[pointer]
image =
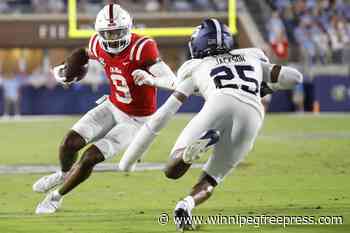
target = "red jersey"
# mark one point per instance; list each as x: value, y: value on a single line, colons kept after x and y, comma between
x: 124, y: 93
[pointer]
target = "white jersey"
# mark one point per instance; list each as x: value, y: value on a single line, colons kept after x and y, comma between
x: 238, y: 73
x: 218, y: 78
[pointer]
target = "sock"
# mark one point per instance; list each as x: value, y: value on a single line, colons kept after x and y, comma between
x: 56, y: 194
x: 63, y: 174
x: 190, y: 202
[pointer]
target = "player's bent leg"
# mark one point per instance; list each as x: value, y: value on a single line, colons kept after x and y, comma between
x: 116, y: 140
x: 79, y: 173
x: 204, y: 188
x: 195, y: 149
x: 68, y: 153
x: 200, y: 192
x: 181, y: 159
x: 235, y: 142
x: 82, y: 170
x: 196, y: 138
x: 176, y: 167
x: 93, y: 125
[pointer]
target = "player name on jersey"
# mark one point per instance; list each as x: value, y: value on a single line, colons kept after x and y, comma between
x: 229, y: 58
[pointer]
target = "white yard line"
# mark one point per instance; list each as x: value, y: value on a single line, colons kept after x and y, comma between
x: 104, y: 167
x: 30, y: 119
x: 37, y: 118
x: 29, y: 215
x: 303, y: 136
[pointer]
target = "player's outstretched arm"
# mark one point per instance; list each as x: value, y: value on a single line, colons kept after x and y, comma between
x: 148, y: 133
x: 164, y: 76
x: 281, y: 77
x: 149, y: 130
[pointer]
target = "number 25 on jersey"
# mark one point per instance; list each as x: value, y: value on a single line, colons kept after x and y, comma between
x: 222, y: 73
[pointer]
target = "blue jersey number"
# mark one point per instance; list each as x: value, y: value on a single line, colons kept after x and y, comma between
x: 225, y: 73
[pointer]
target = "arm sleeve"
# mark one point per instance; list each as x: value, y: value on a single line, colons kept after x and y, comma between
x: 148, y: 132
x: 281, y: 77
x: 186, y: 87
x: 164, y: 76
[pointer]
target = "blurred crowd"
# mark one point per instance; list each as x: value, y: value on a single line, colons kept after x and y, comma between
x: 321, y: 29
x: 11, y: 84
x: 92, y: 6
x: 32, y: 6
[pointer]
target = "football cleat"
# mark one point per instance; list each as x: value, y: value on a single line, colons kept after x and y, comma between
x: 195, y: 150
x: 46, y: 183
x: 183, y: 217
x: 50, y: 204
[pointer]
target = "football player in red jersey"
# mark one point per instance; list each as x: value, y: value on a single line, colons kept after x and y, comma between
x: 130, y: 61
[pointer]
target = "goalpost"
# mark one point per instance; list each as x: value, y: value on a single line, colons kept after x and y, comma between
x: 75, y: 33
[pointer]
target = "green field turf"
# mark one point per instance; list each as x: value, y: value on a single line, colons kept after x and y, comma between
x: 299, y: 167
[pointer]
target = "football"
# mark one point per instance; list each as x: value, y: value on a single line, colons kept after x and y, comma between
x: 77, y: 65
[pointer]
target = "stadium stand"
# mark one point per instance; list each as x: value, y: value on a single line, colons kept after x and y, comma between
x: 321, y: 29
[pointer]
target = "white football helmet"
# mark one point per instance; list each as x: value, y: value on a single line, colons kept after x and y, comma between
x: 113, y: 25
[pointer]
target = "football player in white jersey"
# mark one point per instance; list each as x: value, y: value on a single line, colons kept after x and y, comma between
x: 230, y: 82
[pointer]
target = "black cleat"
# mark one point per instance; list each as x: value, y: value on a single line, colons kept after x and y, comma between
x: 183, y: 219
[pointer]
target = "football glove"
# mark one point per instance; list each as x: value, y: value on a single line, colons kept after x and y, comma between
x: 59, y: 72
x: 141, y: 77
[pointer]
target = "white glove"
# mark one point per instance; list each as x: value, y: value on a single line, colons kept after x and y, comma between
x: 59, y: 72
x: 141, y: 77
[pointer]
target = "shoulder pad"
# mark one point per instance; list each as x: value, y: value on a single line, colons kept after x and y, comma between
x: 136, y: 49
x: 187, y: 68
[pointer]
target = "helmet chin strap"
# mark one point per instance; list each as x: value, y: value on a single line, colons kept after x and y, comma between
x: 190, y: 48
